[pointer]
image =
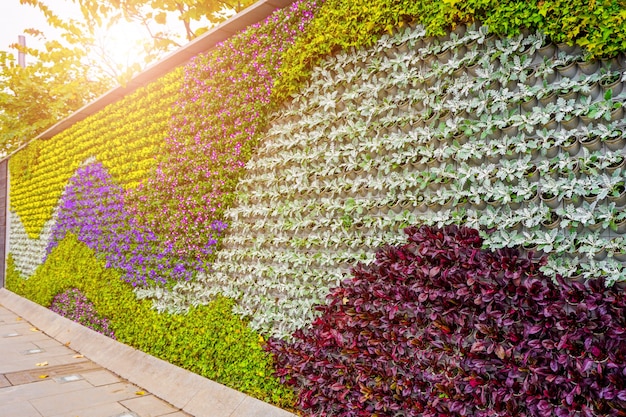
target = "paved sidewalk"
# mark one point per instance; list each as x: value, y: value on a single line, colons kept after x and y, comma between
x: 41, y: 377
x: 53, y: 367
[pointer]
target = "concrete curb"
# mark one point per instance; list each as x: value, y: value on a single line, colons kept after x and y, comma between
x: 190, y: 392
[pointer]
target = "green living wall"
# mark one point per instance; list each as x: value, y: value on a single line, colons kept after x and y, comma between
x: 264, y: 169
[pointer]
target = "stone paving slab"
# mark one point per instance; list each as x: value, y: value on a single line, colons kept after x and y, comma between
x: 109, y: 388
x: 41, y: 377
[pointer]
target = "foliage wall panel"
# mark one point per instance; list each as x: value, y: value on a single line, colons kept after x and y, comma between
x: 126, y: 137
x: 514, y: 136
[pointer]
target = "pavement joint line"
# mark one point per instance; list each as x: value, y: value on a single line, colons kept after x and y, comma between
x: 32, y: 351
x: 33, y: 375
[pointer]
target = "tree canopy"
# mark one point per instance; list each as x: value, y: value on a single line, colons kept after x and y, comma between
x: 72, y: 70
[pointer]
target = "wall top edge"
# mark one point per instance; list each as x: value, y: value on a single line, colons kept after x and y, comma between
x: 253, y: 14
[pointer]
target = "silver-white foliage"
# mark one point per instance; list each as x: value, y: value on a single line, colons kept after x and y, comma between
x: 28, y: 253
x: 469, y: 129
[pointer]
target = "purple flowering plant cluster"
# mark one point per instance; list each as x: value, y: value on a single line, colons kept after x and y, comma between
x: 74, y: 305
x: 224, y: 105
x: 93, y: 208
x: 167, y: 228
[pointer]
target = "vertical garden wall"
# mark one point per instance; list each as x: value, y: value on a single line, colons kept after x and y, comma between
x: 218, y: 205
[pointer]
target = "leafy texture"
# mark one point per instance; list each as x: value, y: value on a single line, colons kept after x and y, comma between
x: 438, y: 326
x: 125, y: 137
x: 224, y: 101
x: 419, y: 130
x: 74, y: 305
x: 596, y: 26
x: 37, y: 96
x: 208, y: 340
x: 93, y: 208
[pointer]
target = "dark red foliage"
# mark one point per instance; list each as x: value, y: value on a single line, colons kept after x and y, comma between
x: 440, y: 327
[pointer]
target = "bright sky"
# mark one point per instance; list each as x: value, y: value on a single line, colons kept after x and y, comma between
x: 14, y: 18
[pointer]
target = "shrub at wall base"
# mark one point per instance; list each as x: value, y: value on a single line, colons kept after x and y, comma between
x: 208, y: 340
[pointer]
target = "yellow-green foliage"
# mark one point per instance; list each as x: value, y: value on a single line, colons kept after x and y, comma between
x: 209, y: 340
x: 597, y: 26
x: 125, y: 136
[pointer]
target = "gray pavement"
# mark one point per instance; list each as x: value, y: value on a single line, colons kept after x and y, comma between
x: 53, y: 367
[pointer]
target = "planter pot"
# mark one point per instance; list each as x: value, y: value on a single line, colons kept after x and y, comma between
x: 594, y: 227
x: 396, y: 208
x: 418, y: 106
x: 444, y: 56
x: 532, y: 200
x: 528, y: 105
x: 388, y: 92
x: 572, y: 147
x: 616, y: 144
x: 588, y: 67
x: 595, y: 92
x: 493, y: 203
x: 517, y: 226
x: 545, y: 52
x: 458, y: 73
x: 418, y: 166
x: 568, y: 49
x: 421, y: 207
x: 403, y: 48
x: 577, y: 276
x: 447, y: 204
x: 619, y: 200
x: 532, y: 174
x: 613, y: 83
x: 600, y: 255
x: 618, y: 165
x: 472, y: 70
x: 589, y: 198
x: 487, y: 43
x: 406, y: 204
x: 620, y: 256
x: 567, y: 71
x: 494, y: 158
x: 620, y: 228
x: 617, y: 114
x: 551, y: 124
x: 550, y: 200
x: 571, y: 123
x: 617, y: 63
x: 428, y: 60
x: 481, y: 205
x: 592, y: 143
x: 549, y: 99
x: 551, y: 151
x: 531, y: 248
x: 510, y: 131
x: 568, y: 95
x: 575, y: 201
